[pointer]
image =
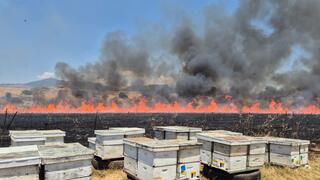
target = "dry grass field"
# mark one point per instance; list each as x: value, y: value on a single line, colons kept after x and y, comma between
x: 15, y: 91
x: 311, y: 172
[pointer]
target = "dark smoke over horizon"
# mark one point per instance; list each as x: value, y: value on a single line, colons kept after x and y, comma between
x: 266, y: 49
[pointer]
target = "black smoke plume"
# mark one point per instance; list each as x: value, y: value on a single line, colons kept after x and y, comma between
x: 266, y: 49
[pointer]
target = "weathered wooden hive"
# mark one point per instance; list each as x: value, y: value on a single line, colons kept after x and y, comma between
x: 287, y: 152
x: 146, y: 158
x: 232, y: 153
x: 188, y: 159
x: 153, y: 159
x: 207, y: 145
x: 176, y: 132
x: 109, y: 143
x: 36, y: 137
x: 26, y: 137
x: 54, y: 136
x: 21, y: 162
x: 65, y: 161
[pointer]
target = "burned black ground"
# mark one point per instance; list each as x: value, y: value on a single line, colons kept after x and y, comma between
x: 81, y: 126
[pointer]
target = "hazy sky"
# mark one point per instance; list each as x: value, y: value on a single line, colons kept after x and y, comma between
x: 36, y: 34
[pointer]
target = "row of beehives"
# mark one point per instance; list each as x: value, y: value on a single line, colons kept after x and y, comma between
x: 235, y: 152
x: 229, y: 151
x: 38, y: 154
x: 146, y: 158
x: 223, y: 149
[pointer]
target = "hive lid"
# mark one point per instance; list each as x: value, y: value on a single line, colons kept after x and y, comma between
x: 26, y: 135
x: 223, y: 132
x: 153, y: 144
x: 286, y: 141
x: 18, y: 156
x: 108, y: 132
x: 177, y: 129
x: 57, y: 153
x: 231, y: 139
x: 52, y: 133
x: 129, y: 130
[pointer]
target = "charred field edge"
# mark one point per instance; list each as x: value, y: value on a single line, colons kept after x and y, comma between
x: 80, y: 126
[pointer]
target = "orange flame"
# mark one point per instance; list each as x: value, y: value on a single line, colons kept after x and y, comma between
x: 143, y: 107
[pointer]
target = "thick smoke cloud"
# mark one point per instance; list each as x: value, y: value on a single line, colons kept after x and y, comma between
x: 245, y: 54
x: 242, y: 54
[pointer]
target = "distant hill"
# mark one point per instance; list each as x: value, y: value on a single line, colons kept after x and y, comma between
x: 50, y: 82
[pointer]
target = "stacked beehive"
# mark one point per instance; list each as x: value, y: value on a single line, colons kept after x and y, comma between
x: 146, y: 158
x: 232, y: 153
x: 65, y: 161
x: 36, y: 137
x: 109, y: 143
x: 19, y: 163
x: 287, y: 152
x: 24, y: 138
x: 176, y: 132
x: 54, y: 136
x: 207, y: 145
x: 188, y: 159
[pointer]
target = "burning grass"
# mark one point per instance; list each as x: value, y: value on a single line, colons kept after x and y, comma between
x: 311, y: 172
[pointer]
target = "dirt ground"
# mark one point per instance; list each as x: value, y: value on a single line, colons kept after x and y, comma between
x: 310, y: 172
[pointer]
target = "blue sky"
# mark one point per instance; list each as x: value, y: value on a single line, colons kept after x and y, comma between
x: 36, y: 34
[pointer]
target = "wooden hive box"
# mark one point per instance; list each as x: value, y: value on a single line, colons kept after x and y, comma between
x: 20, y: 162
x: 130, y: 132
x: 109, y: 143
x: 187, y: 156
x: 26, y: 137
x: 53, y: 136
x: 156, y: 159
x: 231, y: 152
x: 65, y: 161
x: 130, y: 152
x: 188, y: 159
x: 176, y: 132
x: 207, y: 145
x: 288, y: 152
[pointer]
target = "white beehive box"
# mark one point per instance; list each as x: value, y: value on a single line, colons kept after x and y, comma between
x: 288, y: 152
x: 19, y: 163
x: 26, y: 137
x: 106, y: 137
x: 55, y: 136
x: 155, y: 159
x: 130, y: 153
x: 130, y: 132
x: 187, y: 159
x: 207, y: 144
x: 92, y: 143
x: 36, y: 137
x: 66, y: 161
x: 109, y: 143
x: 176, y: 132
x: 231, y: 152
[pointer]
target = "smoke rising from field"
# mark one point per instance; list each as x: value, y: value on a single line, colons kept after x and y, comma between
x: 265, y: 49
